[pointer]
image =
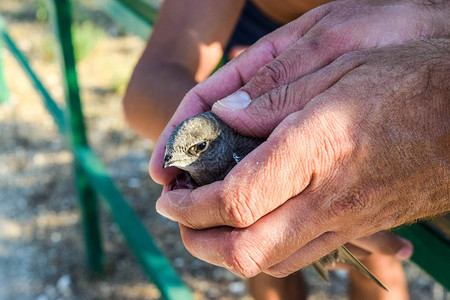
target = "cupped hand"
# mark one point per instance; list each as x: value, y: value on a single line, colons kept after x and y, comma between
x: 368, y: 153
x: 302, y: 47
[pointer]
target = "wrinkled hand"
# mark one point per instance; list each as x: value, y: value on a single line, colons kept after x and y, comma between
x: 369, y: 152
x: 314, y: 218
x: 302, y: 47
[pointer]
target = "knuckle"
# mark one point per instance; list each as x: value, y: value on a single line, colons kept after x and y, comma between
x: 336, y: 37
x: 240, y: 261
x: 240, y: 213
x: 353, y: 59
x: 278, y: 99
x: 268, y: 48
x: 236, y: 208
x: 270, y: 110
x: 319, y: 37
x: 348, y: 57
x: 273, y: 74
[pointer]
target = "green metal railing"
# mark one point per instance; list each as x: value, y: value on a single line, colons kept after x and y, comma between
x: 91, y: 177
x: 431, y: 249
x: 78, y: 139
x: 134, y: 15
x: 4, y: 95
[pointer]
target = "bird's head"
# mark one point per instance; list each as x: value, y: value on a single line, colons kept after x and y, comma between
x: 197, y: 143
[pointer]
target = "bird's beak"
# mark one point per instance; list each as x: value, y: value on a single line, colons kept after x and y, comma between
x: 167, y: 161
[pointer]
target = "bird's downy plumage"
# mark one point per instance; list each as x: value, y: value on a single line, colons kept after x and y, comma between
x: 206, y: 149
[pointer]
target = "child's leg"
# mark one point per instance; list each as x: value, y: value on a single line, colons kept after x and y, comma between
x: 389, y: 270
x: 265, y: 287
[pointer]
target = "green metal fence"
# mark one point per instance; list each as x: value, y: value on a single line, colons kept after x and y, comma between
x: 431, y: 248
x: 3, y: 88
x: 92, y: 179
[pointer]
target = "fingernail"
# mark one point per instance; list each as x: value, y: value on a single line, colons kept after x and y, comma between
x: 235, y: 101
x: 160, y: 210
x: 163, y: 213
x: 406, y: 251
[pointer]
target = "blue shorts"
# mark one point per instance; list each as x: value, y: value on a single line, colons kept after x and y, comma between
x: 252, y: 25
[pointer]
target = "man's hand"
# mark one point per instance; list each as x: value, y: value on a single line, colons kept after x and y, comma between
x: 302, y: 47
x: 369, y: 152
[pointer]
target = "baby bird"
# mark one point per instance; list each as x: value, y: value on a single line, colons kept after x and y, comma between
x: 207, y: 149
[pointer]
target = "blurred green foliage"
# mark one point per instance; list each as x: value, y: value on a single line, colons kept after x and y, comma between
x: 119, y: 82
x: 85, y: 36
x: 85, y: 30
x: 41, y: 10
x: 90, y: 25
x: 49, y: 48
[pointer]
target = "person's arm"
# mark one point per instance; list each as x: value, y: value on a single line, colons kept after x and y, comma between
x: 184, y: 47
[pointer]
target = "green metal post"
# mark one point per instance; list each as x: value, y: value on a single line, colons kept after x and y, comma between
x: 431, y: 250
x: 153, y: 262
x: 86, y: 194
x: 4, y: 93
x: 135, y: 16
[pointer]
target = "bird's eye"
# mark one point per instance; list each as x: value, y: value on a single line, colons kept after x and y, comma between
x: 198, y: 148
x: 201, y: 146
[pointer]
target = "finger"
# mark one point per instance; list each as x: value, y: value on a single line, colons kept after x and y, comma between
x: 236, y: 50
x: 196, y: 208
x: 323, y: 245
x: 253, y: 188
x: 309, y: 54
x: 264, y: 113
x: 248, y: 251
x: 298, y: 148
x: 386, y: 243
x: 237, y: 201
x: 227, y: 80
x: 241, y: 69
x: 335, y: 33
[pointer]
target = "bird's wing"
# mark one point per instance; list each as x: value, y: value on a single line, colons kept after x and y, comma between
x: 345, y: 256
x: 245, y: 145
x: 321, y: 270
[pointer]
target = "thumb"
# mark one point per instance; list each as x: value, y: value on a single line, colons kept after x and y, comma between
x: 260, y: 116
x: 256, y: 117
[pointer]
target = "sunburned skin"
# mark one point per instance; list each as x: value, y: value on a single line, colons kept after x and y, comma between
x: 208, y: 149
